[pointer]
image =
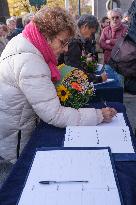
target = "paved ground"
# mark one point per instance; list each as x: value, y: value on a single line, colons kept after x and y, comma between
x: 130, y: 103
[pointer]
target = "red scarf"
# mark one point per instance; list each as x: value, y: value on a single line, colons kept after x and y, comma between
x: 116, y: 28
x: 32, y: 33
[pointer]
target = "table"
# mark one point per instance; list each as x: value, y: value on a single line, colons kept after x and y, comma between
x: 49, y: 136
x: 112, y: 91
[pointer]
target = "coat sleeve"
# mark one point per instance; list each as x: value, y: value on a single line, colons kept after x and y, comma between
x: 103, y: 43
x: 35, y: 82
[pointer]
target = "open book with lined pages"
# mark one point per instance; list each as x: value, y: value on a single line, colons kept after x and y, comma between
x: 74, y: 176
x: 115, y: 135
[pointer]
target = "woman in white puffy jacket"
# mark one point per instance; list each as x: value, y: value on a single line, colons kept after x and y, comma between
x: 27, y: 73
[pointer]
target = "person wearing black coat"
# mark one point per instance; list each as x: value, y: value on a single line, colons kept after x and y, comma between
x: 84, y: 43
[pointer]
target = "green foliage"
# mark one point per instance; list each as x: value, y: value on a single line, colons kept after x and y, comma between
x: 17, y: 7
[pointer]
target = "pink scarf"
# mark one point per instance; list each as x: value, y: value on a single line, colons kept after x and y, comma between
x: 32, y: 33
x: 114, y: 29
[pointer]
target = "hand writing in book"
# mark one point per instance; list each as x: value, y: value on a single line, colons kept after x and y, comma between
x: 108, y: 114
x: 104, y: 76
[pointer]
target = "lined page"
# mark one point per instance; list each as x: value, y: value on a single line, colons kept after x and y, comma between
x: 65, y: 165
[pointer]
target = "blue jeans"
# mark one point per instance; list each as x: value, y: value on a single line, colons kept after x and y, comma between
x: 113, y: 74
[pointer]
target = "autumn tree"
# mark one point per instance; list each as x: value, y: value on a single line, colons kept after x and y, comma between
x: 73, y: 5
x: 60, y: 3
x: 17, y: 7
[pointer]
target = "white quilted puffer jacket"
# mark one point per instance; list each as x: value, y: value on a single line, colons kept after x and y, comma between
x: 25, y: 89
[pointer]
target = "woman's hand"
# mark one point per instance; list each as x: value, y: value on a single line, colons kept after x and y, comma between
x: 108, y: 114
x: 104, y: 76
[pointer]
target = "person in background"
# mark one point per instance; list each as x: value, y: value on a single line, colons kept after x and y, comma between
x: 104, y: 22
x: 111, y: 33
x: 28, y: 71
x: 2, y: 20
x: 11, y: 24
x: 27, y: 18
x: 4, y: 31
x: 83, y: 44
x: 109, y: 37
x: 14, y: 18
x: 3, y: 37
x: 18, y: 29
x: 126, y: 19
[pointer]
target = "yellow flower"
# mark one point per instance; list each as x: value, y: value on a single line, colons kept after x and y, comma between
x: 81, y: 72
x: 84, y: 77
x: 90, y: 91
x: 63, y: 93
x: 61, y: 66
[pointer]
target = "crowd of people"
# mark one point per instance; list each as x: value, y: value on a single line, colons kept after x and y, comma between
x: 37, y: 43
x: 12, y: 27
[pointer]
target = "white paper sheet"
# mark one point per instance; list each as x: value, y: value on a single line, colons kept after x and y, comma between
x: 109, y: 80
x: 118, y: 120
x: 99, y: 67
x: 65, y: 165
x: 116, y: 137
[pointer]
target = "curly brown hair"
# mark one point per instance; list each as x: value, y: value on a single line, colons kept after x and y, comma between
x: 51, y: 21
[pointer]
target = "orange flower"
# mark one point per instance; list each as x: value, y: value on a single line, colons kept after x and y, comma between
x: 76, y: 86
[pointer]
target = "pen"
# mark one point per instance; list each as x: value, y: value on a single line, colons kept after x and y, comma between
x: 61, y: 182
x: 105, y: 103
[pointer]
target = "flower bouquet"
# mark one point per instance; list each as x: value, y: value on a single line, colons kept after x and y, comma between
x: 74, y: 89
x: 89, y: 63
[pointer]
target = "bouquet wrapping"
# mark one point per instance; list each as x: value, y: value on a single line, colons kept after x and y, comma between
x: 74, y: 89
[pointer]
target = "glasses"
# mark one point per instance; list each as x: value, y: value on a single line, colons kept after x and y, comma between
x: 115, y: 17
x: 63, y: 43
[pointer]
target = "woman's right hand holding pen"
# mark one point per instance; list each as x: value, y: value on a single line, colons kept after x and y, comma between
x: 104, y: 76
x: 108, y: 113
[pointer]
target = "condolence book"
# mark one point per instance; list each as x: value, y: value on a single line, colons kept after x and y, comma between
x: 115, y: 135
x: 72, y: 176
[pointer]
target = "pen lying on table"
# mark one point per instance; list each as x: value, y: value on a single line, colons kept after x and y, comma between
x: 61, y: 182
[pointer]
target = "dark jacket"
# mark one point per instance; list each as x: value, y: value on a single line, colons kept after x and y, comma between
x: 90, y: 45
x: 73, y: 56
x: 132, y: 27
x: 14, y: 33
